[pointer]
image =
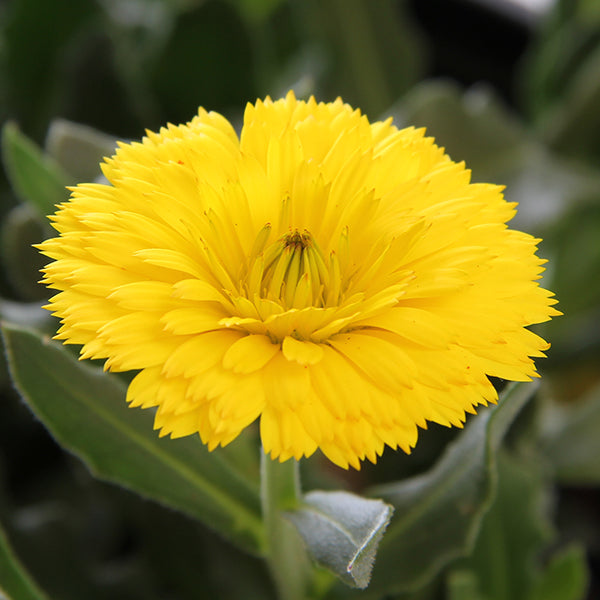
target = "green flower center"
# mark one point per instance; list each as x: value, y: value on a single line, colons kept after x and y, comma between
x: 294, y: 271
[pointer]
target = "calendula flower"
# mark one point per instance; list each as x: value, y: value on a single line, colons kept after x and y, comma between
x: 341, y: 281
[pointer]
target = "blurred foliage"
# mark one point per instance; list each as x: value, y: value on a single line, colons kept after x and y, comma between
x: 77, y: 76
x: 560, y: 82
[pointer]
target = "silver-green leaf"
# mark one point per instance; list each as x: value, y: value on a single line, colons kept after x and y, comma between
x: 342, y: 532
x: 78, y: 149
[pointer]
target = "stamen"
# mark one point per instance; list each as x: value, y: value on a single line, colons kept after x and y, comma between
x: 290, y: 271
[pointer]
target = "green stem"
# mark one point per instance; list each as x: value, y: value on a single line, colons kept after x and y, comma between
x: 286, y: 557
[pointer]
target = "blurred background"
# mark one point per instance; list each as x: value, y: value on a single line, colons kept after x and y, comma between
x: 510, y: 86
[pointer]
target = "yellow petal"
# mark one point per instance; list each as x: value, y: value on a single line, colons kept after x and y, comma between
x: 304, y: 353
x: 250, y: 353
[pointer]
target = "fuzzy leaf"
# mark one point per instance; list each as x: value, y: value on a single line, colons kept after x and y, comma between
x: 438, y: 514
x: 78, y: 149
x: 24, y: 313
x: 342, y: 532
x: 20, y: 229
x: 86, y: 412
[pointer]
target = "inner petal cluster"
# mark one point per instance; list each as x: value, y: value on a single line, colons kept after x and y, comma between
x: 292, y: 272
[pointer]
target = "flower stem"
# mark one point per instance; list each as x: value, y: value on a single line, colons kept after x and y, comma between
x: 286, y: 557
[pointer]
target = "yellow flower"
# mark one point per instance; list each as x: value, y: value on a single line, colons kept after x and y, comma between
x: 340, y: 280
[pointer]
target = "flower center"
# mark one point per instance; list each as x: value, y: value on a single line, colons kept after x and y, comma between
x: 291, y: 271
x: 295, y: 272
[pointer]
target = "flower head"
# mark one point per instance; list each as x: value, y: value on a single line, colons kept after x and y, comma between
x: 340, y: 280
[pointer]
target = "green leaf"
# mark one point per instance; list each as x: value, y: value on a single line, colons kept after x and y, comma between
x: 78, y: 149
x: 257, y: 11
x: 86, y: 412
x: 573, y: 125
x: 342, y: 532
x: 37, y: 36
x: 372, y: 52
x: 36, y: 179
x: 463, y: 584
x: 570, y: 440
x: 180, y: 83
x: 438, y: 514
x: 514, y: 532
x: 565, y: 578
x: 559, y: 78
x: 572, y: 247
x: 15, y: 582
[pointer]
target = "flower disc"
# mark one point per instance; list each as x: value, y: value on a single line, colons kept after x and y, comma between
x: 342, y: 281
